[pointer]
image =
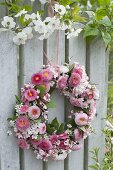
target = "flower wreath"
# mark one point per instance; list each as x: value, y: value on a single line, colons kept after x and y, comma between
x: 30, y: 121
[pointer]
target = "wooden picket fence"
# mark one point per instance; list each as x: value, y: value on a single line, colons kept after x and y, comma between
x: 17, y: 64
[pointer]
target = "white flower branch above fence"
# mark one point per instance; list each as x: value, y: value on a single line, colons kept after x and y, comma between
x: 24, y: 24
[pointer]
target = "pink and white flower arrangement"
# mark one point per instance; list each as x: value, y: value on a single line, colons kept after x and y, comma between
x: 34, y: 112
x: 30, y: 123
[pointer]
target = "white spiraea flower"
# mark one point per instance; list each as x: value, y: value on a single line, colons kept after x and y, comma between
x: 28, y: 32
x: 20, y: 38
x: 64, y: 69
x: 61, y: 156
x: 33, y: 16
x: 40, y: 27
x: 22, y: 12
x: 60, y: 9
x: 9, y: 133
x: 74, y: 33
x: 8, y: 22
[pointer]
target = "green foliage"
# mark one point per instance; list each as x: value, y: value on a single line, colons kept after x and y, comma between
x: 14, y: 6
x: 51, y: 104
x: 54, y: 126
x: 18, y: 101
x: 95, y: 153
x: 42, y: 90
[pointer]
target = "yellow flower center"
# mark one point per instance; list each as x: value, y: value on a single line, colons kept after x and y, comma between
x: 46, y: 74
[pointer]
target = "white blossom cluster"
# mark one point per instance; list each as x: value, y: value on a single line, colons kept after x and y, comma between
x: 43, y: 27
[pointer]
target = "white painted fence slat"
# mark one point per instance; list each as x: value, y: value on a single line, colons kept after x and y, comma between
x: 77, y: 53
x: 33, y: 60
x: 9, y: 152
x: 56, y: 53
x: 98, y: 72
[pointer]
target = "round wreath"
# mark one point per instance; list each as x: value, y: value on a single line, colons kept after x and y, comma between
x: 30, y: 121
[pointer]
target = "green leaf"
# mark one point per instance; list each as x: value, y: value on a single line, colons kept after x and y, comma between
x: 61, y: 128
x: 104, y: 2
x: 78, y: 18
x: 51, y: 104
x: 65, y: 2
x: 18, y: 101
x: 50, y: 129
x: 100, y: 13
x: 106, y: 37
x: 55, y: 123
x: 27, y: 8
x: 71, y: 67
x: 22, y: 21
x: 90, y: 31
x: 93, y: 167
x: 105, y: 21
x: 42, y: 89
x: 14, y: 117
x: 71, y: 122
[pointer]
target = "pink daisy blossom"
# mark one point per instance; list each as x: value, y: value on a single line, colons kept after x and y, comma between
x: 42, y: 128
x: 34, y: 142
x: 36, y: 79
x: 34, y: 112
x: 90, y: 94
x: 30, y: 94
x: 78, y: 71
x: 22, y: 123
x: 23, y: 144
x: 63, y: 136
x: 24, y: 109
x: 54, y: 138
x: 75, y: 79
x: 76, y: 147
x: 47, y: 74
x: 81, y: 119
x: 62, y: 82
x: 45, y: 144
x: 63, y: 146
x: 76, y: 102
x: 77, y: 135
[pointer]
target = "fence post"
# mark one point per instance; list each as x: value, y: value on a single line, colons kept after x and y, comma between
x: 9, y: 153
x: 54, y: 50
x: 31, y: 59
x: 97, y: 68
x: 76, y: 51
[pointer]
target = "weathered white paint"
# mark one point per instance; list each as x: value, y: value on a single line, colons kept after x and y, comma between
x: 98, y: 72
x: 31, y: 59
x: 9, y: 152
x: 77, y: 53
x: 32, y: 54
x: 56, y: 54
